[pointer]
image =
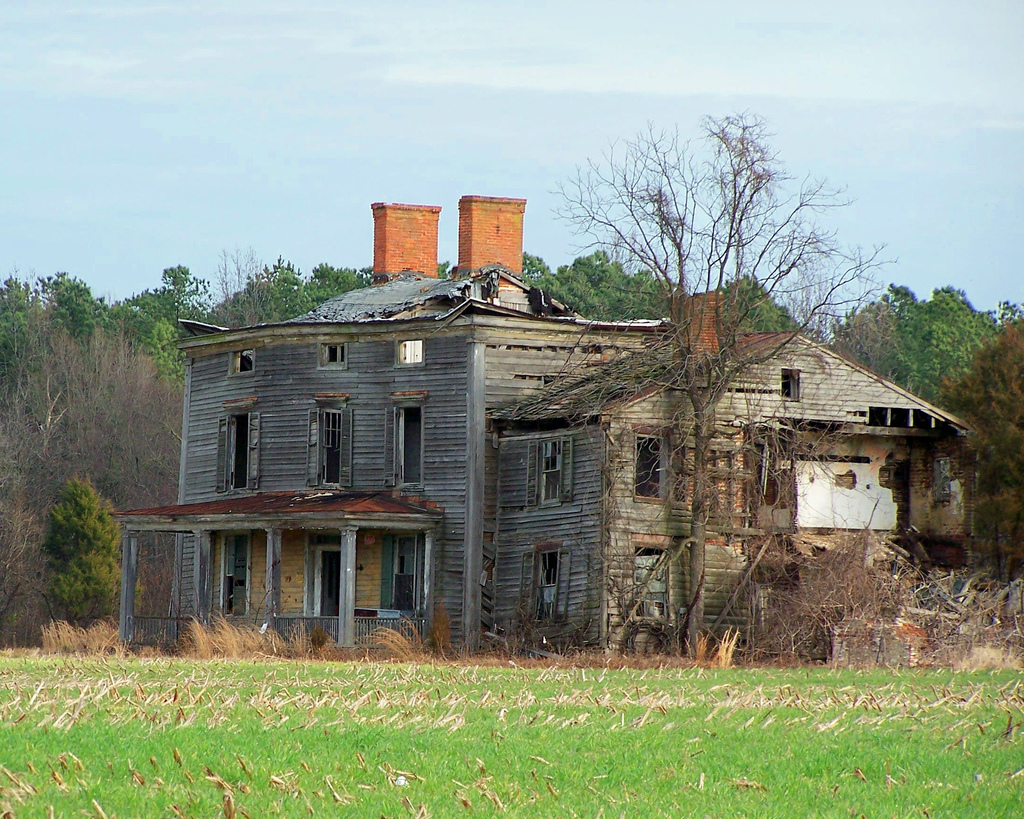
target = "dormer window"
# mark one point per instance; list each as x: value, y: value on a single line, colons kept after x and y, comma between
x: 334, y: 356
x: 410, y: 352
x: 242, y: 361
x: 791, y: 385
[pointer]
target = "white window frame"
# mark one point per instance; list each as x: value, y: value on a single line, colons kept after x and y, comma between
x: 314, y: 587
x: 644, y: 561
x: 409, y: 352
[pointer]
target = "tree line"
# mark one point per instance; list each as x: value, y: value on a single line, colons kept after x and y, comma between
x: 90, y: 396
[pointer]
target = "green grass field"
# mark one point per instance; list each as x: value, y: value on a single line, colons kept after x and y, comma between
x: 130, y: 737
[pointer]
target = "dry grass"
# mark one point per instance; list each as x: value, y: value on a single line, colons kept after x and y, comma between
x: 60, y: 637
x: 225, y: 640
x: 403, y: 643
x: 440, y: 637
x: 988, y: 658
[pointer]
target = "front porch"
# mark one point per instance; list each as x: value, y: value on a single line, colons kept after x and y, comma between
x: 349, y: 563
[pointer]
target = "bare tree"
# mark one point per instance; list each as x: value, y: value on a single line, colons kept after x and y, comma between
x: 727, y: 233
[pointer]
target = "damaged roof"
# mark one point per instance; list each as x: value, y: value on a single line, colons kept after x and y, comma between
x: 289, y: 505
x: 416, y: 293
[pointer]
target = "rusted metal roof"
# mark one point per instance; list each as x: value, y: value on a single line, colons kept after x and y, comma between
x: 283, y: 504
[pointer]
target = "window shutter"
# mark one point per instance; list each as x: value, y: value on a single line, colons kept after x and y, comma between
x: 345, y: 473
x: 565, y: 493
x: 253, y: 476
x: 387, y: 570
x: 526, y: 570
x: 313, y: 449
x: 222, y: 455
x: 562, y: 589
x: 389, y: 446
x: 533, y: 474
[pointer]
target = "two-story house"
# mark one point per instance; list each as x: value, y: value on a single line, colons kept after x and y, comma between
x: 471, y: 445
x: 339, y: 469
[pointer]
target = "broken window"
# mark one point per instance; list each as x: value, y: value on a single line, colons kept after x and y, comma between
x: 547, y: 585
x: 242, y: 361
x: 791, y: 384
x: 650, y: 578
x: 334, y: 356
x: 648, y: 483
x: 410, y: 352
x: 941, y: 479
x: 402, y: 573
x: 549, y: 471
x: 238, y: 452
x: 329, y: 450
x: 235, y: 560
x: 409, y: 444
x: 544, y: 588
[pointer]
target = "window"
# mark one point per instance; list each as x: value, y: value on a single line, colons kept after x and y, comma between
x: 544, y: 583
x: 648, y: 482
x: 401, y: 575
x: 791, y: 385
x: 547, y: 585
x: 238, y: 452
x: 329, y: 447
x: 409, y: 446
x: 410, y: 352
x: 549, y: 471
x: 650, y: 578
x: 334, y: 356
x: 235, y: 559
x: 242, y: 361
x: 941, y: 479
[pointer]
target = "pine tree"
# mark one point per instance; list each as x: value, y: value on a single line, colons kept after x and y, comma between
x: 81, y: 549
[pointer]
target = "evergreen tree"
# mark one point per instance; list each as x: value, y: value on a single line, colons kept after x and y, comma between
x: 81, y: 550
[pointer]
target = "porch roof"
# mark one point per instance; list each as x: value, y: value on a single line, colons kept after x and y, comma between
x: 319, y: 509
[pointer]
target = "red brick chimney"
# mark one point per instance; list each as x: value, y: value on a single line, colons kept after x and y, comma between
x: 703, y: 330
x: 404, y: 238
x: 491, y: 232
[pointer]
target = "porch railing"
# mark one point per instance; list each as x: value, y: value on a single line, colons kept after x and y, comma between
x: 291, y: 625
x: 158, y: 631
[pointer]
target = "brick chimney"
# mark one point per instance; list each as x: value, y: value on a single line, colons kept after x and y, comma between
x: 491, y: 232
x: 404, y: 238
x: 703, y: 330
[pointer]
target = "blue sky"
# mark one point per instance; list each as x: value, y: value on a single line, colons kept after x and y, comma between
x: 136, y: 136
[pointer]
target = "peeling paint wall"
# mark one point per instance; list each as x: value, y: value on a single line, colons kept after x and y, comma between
x: 842, y: 496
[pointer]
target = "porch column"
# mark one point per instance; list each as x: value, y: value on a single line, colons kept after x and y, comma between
x: 273, y: 584
x: 129, y: 573
x: 203, y: 577
x: 428, y: 577
x: 347, y: 587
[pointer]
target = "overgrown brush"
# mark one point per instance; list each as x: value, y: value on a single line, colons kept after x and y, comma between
x: 60, y: 637
x: 439, y: 637
x: 226, y: 640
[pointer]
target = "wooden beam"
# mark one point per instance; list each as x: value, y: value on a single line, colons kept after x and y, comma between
x: 473, y: 541
x: 347, y: 587
x: 273, y: 580
x: 129, y: 575
x: 203, y: 576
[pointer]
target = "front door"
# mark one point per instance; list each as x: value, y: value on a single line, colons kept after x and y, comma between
x: 330, y: 577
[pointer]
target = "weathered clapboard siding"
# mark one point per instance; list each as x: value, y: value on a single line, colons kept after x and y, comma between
x: 645, y: 523
x: 574, y: 525
x: 831, y: 388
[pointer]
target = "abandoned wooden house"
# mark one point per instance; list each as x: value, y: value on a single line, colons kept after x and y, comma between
x: 431, y: 444
x: 808, y: 445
